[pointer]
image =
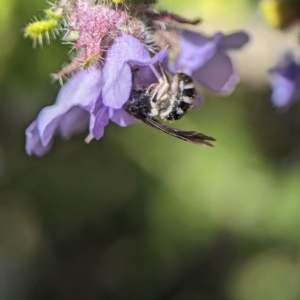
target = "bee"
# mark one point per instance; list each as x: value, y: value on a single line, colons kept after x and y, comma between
x: 170, y: 101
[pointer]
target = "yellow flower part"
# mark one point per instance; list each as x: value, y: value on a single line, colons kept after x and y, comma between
x: 279, y: 13
x: 271, y: 12
x: 51, y: 14
x: 114, y: 1
x: 38, y: 29
x: 89, y: 61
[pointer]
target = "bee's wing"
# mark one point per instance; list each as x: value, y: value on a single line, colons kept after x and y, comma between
x: 189, y: 136
x: 136, y: 111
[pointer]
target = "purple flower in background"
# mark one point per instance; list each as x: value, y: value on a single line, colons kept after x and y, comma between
x: 285, y: 81
x: 92, y: 97
x: 206, y: 59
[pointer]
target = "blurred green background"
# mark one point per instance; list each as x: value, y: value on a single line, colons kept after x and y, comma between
x: 141, y: 215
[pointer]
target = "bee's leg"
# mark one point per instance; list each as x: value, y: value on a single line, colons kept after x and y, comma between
x: 158, y: 90
x: 163, y: 77
x: 152, y: 91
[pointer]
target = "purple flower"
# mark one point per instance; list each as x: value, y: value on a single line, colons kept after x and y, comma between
x: 206, y: 59
x: 92, y: 97
x: 114, y: 60
x: 285, y: 81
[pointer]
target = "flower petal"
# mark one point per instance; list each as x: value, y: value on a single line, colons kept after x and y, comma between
x: 117, y: 72
x: 100, y: 121
x: 121, y: 117
x: 285, y: 81
x: 81, y: 90
x: 33, y: 141
x: 234, y: 41
x: 205, y: 59
x: 217, y: 74
x: 195, y: 51
x: 283, y: 90
x: 74, y: 121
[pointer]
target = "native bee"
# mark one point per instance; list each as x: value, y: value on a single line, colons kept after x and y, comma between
x: 172, y: 100
x: 167, y: 100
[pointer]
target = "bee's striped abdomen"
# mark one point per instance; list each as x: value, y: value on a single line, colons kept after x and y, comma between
x: 183, y: 94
